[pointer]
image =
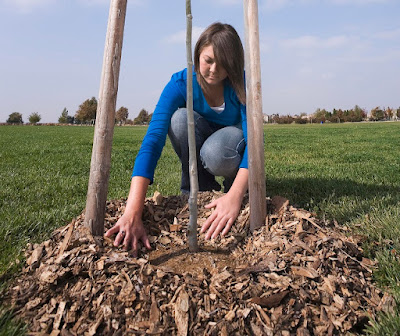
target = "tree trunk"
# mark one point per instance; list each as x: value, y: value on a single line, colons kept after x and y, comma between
x: 194, y: 184
x: 105, y: 119
x: 254, y: 117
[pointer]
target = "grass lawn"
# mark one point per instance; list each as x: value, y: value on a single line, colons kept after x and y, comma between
x: 348, y: 172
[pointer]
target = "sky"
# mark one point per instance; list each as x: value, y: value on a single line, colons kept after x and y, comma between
x: 314, y: 53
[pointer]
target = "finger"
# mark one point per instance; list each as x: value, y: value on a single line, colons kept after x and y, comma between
x: 210, y: 232
x: 212, y: 228
x: 219, y: 228
x: 211, y: 205
x: 134, y: 246
x: 113, y: 230
x: 146, y: 242
x: 119, y: 238
x: 127, y: 241
x: 227, y: 227
x: 208, y: 222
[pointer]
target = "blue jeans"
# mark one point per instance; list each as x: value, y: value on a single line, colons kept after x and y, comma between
x: 219, y: 150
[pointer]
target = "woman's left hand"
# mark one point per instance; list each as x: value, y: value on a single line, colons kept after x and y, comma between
x: 224, y: 215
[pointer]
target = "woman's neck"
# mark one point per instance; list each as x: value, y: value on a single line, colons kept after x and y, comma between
x: 214, y: 94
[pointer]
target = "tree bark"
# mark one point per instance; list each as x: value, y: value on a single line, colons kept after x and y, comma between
x: 255, y: 133
x: 194, y: 184
x: 105, y: 119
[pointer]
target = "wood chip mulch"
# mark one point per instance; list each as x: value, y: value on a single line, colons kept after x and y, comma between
x: 297, y: 275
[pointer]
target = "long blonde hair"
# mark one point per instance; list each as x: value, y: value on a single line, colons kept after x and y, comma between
x: 229, y: 53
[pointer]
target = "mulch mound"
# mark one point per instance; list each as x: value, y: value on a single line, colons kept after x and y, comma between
x: 295, y: 276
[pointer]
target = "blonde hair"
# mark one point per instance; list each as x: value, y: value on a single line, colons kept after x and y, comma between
x: 229, y: 53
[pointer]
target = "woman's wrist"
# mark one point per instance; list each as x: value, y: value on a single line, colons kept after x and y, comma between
x: 135, y: 203
x: 239, y: 186
x: 235, y: 196
x: 132, y: 217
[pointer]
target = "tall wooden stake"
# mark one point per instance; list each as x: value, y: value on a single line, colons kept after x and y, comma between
x: 105, y: 119
x: 254, y: 116
x: 194, y: 184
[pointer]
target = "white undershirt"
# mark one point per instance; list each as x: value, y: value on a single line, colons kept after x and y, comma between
x: 219, y: 109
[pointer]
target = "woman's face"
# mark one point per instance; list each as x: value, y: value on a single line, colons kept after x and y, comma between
x: 211, y: 71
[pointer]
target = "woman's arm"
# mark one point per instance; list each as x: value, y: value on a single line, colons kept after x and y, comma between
x: 129, y: 228
x: 226, y: 207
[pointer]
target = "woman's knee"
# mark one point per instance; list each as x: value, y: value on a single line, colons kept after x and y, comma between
x: 179, y: 122
x: 221, y: 153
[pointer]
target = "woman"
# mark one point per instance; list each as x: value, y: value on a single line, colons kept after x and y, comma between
x: 221, y: 133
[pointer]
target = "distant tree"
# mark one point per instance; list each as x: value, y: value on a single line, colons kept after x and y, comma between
x: 359, y: 113
x: 121, y: 115
x: 274, y: 118
x: 398, y: 112
x: 70, y: 120
x: 64, y: 116
x: 301, y: 119
x: 287, y: 119
x: 15, y: 118
x: 321, y: 115
x: 34, y: 118
x: 354, y: 115
x: 143, y: 118
x: 87, y: 111
x: 377, y: 114
x: 389, y: 113
x: 337, y: 116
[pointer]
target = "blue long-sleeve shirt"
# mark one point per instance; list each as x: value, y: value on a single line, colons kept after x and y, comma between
x: 174, y: 97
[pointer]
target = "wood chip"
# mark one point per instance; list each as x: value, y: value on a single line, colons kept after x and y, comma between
x: 35, y: 256
x: 157, y: 198
x: 182, y: 313
x: 309, y: 273
x: 298, y: 276
x: 270, y: 301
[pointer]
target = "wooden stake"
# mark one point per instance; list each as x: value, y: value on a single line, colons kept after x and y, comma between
x: 105, y: 119
x: 255, y: 133
x: 194, y: 184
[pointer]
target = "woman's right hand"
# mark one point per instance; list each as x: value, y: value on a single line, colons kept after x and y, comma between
x: 129, y: 232
x: 129, y: 229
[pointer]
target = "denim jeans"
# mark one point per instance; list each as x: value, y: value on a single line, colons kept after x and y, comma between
x: 219, y: 150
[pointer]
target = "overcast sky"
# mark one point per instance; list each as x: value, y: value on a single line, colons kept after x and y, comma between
x: 314, y: 53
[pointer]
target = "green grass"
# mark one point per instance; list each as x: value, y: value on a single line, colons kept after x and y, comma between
x: 9, y: 326
x: 343, y: 170
x: 385, y: 325
x: 44, y: 175
x: 348, y: 172
x: 351, y: 173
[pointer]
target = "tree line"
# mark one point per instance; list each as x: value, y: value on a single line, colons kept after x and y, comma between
x: 86, y: 114
x: 16, y: 118
x: 355, y: 114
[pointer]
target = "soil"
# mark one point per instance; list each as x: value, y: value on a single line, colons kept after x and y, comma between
x: 297, y: 275
x: 180, y: 260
